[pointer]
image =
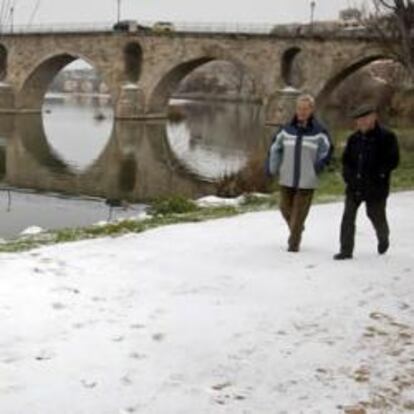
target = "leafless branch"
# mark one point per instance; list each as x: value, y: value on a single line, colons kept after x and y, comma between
x: 392, y: 21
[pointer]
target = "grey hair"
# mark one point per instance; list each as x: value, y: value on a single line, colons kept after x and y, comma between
x: 307, y: 98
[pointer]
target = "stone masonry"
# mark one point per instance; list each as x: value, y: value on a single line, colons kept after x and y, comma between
x: 142, y: 70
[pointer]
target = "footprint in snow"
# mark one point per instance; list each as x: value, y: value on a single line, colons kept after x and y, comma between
x: 137, y: 326
x: 38, y: 271
x: 126, y: 380
x: 137, y: 355
x: 66, y: 289
x: 89, y: 383
x: 44, y: 355
x: 158, y: 337
x: 58, y: 306
x: 129, y: 410
x: 226, y: 394
x: 10, y: 359
x: 404, y: 306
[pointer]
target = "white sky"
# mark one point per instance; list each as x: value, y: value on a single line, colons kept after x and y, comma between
x: 274, y: 11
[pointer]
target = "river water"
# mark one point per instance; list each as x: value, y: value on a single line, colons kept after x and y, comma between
x: 57, y: 169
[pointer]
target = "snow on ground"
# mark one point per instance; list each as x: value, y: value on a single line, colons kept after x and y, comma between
x: 212, y: 317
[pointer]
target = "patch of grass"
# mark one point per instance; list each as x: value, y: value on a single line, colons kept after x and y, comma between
x: 403, y: 176
x: 118, y: 228
x: 331, y: 183
x: 172, y: 205
x: 257, y: 202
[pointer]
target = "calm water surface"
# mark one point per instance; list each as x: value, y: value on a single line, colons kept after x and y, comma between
x: 77, y: 150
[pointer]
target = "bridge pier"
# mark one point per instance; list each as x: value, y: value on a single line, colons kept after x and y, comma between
x: 7, y: 100
x: 131, y: 104
x: 281, y: 106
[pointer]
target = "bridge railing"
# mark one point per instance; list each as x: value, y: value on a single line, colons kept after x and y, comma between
x: 193, y: 27
x: 217, y: 27
x: 56, y: 28
x: 203, y: 27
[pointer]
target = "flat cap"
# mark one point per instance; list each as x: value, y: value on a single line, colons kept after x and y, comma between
x: 363, y: 110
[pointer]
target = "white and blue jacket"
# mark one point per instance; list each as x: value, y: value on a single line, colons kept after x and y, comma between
x: 298, y: 154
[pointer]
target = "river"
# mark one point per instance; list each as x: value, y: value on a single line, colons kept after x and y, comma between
x: 58, y: 168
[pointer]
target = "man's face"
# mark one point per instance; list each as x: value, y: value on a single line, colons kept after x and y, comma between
x: 304, y: 111
x: 366, y: 123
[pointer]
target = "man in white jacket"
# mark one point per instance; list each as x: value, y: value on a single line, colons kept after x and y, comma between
x: 299, y: 152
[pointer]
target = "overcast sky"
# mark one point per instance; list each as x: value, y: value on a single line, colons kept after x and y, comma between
x: 72, y: 11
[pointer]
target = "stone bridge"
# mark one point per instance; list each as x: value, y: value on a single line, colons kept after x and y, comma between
x: 142, y: 70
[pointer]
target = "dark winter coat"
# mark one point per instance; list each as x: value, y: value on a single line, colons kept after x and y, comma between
x: 368, y: 160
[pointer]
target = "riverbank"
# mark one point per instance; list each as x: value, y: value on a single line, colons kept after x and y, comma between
x: 173, y: 210
x: 212, y: 317
x: 164, y: 212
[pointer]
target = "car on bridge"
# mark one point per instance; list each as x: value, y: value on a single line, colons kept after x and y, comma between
x: 130, y: 26
x: 163, y: 27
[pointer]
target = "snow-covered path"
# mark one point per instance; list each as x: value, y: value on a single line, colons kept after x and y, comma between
x: 212, y: 317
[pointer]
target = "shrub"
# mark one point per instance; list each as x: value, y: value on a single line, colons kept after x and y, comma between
x: 252, y: 178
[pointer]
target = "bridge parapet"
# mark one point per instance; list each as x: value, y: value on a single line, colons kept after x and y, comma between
x: 331, y: 31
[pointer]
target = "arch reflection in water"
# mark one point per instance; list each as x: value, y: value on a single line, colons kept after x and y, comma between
x: 140, y: 161
x: 215, y: 139
x: 136, y: 164
x: 75, y: 132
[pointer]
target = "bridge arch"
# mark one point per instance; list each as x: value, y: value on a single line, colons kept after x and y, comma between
x: 340, y: 76
x: 158, y: 98
x: 3, y: 62
x: 169, y: 82
x: 34, y: 86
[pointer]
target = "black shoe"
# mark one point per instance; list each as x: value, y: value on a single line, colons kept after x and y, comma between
x: 293, y: 249
x: 383, y: 246
x: 342, y: 256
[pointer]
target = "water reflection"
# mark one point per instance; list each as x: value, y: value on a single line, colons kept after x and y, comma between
x: 215, y: 139
x: 77, y: 130
x: 135, y: 164
x: 69, y: 152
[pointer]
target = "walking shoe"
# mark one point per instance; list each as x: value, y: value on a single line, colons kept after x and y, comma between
x: 383, y: 246
x: 342, y: 256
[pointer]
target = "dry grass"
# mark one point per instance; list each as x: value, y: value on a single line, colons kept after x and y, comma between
x: 252, y: 178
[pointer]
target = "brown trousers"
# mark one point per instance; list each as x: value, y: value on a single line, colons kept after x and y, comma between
x: 294, y: 206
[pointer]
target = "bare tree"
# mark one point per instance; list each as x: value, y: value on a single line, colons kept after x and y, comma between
x: 393, y: 22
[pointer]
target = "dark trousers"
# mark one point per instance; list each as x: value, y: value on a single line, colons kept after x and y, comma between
x: 294, y: 206
x: 376, y: 212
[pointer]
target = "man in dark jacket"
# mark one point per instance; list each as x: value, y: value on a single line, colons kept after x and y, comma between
x: 299, y: 152
x: 369, y: 157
